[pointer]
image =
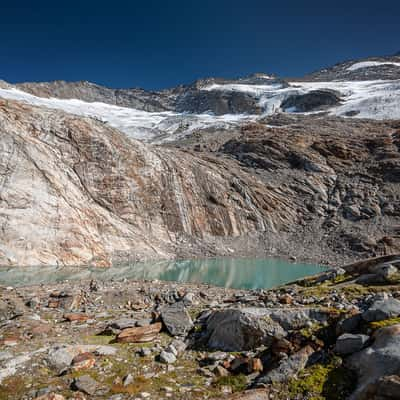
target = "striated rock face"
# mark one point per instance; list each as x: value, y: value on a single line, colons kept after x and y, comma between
x: 74, y: 191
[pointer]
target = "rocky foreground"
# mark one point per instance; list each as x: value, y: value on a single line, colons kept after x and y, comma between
x: 332, y: 336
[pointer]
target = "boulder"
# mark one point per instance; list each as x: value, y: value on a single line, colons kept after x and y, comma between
x: 382, y: 309
x: 349, y: 324
x: 72, y: 317
x: 83, y: 361
x: 60, y: 358
x: 298, y: 318
x: 86, y: 384
x: 388, y: 387
x: 349, y: 343
x: 176, y: 319
x: 50, y: 396
x: 123, y: 323
x: 257, y: 394
x: 238, y: 330
x: 140, y: 334
x: 377, y: 361
x: 288, y: 367
x: 167, y: 357
x: 10, y: 309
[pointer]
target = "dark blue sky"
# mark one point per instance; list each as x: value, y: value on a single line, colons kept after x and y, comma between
x: 156, y: 44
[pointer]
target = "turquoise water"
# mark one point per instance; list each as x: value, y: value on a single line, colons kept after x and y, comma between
x: 233, y: 273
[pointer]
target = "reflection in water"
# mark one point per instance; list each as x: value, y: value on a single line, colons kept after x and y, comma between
x: 235, y: 273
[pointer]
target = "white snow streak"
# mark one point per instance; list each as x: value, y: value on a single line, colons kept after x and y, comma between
x: 142, y: 125
x: 377, y: 99
x: 367, y: 64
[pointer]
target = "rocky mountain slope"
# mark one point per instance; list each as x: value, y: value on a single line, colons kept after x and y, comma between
x: 74, y: 191
x: 371, y: 68
x: 294, y: 171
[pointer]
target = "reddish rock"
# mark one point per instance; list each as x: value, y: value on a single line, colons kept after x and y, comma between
x: 246, y: 365
x: 257, y: 394
x: 40, y: 330
x: 257, y: 365
x: 50, y: 396
x: 53, y: 303
x: 10, y: 340
x: 140, y: 334
x: 286, y: 299
x: 281, y: 345
x: 83, y: 361
x: 71, y: 317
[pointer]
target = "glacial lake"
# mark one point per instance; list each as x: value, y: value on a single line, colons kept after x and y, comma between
x: 236, y: 273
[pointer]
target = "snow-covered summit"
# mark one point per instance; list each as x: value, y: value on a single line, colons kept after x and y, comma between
x: 359, y: 89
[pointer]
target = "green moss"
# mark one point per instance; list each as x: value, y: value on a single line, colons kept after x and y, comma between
x: 237, y: 383
x: 386, y: 322
x: 310, y: 331
x: 98, y: 339
x: 330, y: 381
x: 342, y: 278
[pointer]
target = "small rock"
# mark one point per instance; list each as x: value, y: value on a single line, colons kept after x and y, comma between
x: 189, y: 299
x: 179, y: 345
x: 349, y: 343
x: 123, y: 323
x: 286, y: 299
x: 86, y: 384
x: 83, y: 361
x: 167, y: 358
x: 50, y: 396
x: 144, y: 352
x: 71, y: 317
x: 220, y: 371
x: 128, y: 380
x: 172, y: 349
x: 143, y: 322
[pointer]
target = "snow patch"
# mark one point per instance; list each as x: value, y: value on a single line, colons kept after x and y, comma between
x: 368, y: 64
x: 153, y: 127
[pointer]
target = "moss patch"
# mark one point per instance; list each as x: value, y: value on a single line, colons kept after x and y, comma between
x: 237, y: 383
x: 386, y: 322
x: 98, y: 339
x: 330, y: 381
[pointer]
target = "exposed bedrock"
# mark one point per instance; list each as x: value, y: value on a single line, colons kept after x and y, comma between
x: 75, y: 191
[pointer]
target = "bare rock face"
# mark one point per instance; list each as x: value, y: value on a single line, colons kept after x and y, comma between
x: 313, y: 101
x: 74, y: 191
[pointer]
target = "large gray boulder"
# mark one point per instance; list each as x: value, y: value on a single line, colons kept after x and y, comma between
x: 239, y: 330
x: 298, y: 318
x: 348, y: 343
x: 176, y: 319
x: 382, y: 309
x: 379, y: 360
